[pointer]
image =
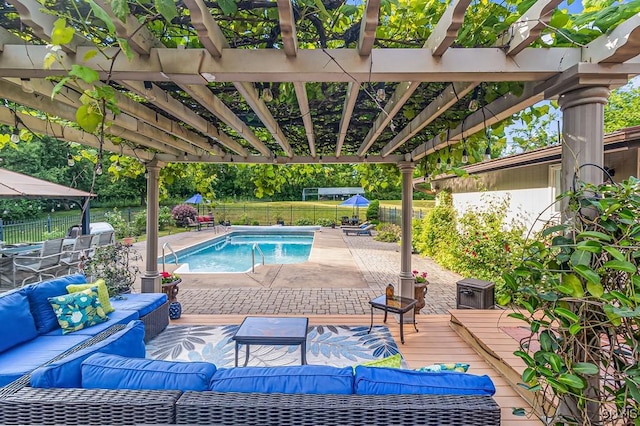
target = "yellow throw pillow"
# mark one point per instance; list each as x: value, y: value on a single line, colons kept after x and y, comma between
x: 103, y: 293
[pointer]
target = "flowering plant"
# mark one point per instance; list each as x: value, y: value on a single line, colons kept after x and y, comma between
x: 169, y: 277
x: 420, y: 277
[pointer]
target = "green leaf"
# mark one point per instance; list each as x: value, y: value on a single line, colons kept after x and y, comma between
x: 590, y: 246
x: 89, y: 55
x: 545, y: 341
x: 87, y: 118
x: 528, y: 375
x: 504, y: 299
x: 572, y: 380
x: 580, y: 257
x: 626, y: 312
x: 61, y: 34
x: 322, y: 9
x: 595, y: 289
x: 559, y: 19
x: 611, y: 315
x: 565, y: 313
x: 553, y: 229
x: 594, y: 234
x: 102, y: 15
x: 167, y: 9
x: 585, y: 368
x: 614, y: 252
x: 574, y: 329
x: 126, y: 47
x: 518, y: 411
x: 517, y: 315
x: 621, y: 265
x: 572, y: 281
x: 59, y: 86
x: 559, y: 387
x: 587, y: 273
x: 120, y: 8
x: 229, y: 7
x: 88, y: 75
x: 556, y: 362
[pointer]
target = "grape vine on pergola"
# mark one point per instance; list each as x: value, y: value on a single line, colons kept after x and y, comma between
x: 309, y: 81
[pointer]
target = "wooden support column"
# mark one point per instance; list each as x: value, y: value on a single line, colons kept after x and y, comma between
x: 405, y: 280
x: 151, y: 282
x: 583, y: 134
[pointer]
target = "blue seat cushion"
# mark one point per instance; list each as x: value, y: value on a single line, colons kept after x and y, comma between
x: 294, y: 379
x: 143, y: 303
x: 24, y: 358
x: 387, y: 381
x: 104, y: 371
x: 39, y: 294
x: 67, y: 372
x: 17, y: 322
x: 115, y: 317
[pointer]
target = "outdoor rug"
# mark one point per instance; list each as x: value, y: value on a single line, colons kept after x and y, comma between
x: 338, y: 346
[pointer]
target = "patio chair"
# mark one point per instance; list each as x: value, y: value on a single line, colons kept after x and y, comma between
x: 46, y: 263
x: 359, y: 231
x: 356, y: 227
x: 193, y: 224
x: 106, y: 238
x: 71, y: 259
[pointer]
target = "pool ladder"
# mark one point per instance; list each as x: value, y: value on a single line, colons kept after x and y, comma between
x: 255, y: 248
x: 175, y: 256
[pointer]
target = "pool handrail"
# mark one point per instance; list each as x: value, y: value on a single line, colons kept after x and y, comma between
x: 253, y: 257
x: 175, y: 256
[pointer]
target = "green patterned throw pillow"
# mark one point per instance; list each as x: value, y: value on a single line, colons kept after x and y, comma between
x: 79, y: 310
x: 103, y: 293
x: 393, y: 361
x: 460, y: 367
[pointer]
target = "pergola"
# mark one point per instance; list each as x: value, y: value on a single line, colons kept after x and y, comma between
x: 348, y: 98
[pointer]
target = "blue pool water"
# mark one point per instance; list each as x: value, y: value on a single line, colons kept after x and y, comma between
x: 232, y: 253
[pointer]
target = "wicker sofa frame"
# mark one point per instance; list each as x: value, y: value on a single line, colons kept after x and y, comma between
x: 22, y: 404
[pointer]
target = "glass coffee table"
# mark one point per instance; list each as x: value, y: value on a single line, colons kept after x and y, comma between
x: 396, y: 305
x: 272, y: 331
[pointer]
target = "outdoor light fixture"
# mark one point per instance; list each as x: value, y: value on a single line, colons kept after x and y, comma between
x: 465, y: 156
x: 439, y: 162
x: 99, y: 169
x: 487, y: 153
x: 148, y: 91
x: 70, y: 160
x: 381, y: 94
x: 267, y: 96
x: 15, y: 135
x: 118, y: 166
x: 26, y: 85
x: 474, y: 105
x: 448, y: 163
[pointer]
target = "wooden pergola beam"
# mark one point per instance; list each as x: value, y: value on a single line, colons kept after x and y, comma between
x: 310, y: 65
x: 622, y: 44
x: 209, y: 32
x: 287, y: 27
x: 368, y: 27
x: 496, y: 111
x: 446, y: 30
x: 445, y: 100
x: 296, y: 159
x: 527, y: 28
x: 303, y: 103
x: 347, y: 111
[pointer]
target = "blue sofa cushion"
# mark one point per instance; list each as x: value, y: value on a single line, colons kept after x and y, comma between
x: 295, y: 379
x: 67, y: 372
x: 116, y: 317
x: 39, y: 295
x: 23, y: 358
x: 143, y: 303
x: 104, y: 371
x: 17, y: 323
x: 386, y: 381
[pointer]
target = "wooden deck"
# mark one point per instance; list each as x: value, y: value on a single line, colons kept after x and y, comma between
x: 437, y: 341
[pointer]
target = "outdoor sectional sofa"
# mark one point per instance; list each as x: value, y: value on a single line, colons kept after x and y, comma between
x: 31, y: 334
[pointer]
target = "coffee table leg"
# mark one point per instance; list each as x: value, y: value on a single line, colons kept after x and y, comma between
x: 385, y: 316
x: 237, y: 354
x: 303, y: 353
x: 246, y: 357
x: 401, y: 328
x: 371, y: 326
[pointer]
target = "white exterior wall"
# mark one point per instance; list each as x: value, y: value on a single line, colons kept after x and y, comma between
x: 528, y: 203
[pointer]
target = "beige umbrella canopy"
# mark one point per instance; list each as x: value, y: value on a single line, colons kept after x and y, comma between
x: 17, y: 185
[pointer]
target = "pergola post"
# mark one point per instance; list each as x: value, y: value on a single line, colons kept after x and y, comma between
x: 583, y: 134
x: 151, y: 282
x: 406, y: 280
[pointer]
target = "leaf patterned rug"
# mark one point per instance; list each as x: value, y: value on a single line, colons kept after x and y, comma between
x: 339, y: 346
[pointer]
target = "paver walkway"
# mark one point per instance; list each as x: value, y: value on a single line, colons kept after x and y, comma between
x: 342, y: 275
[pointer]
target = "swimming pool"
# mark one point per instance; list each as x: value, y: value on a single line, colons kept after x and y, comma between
x: 233, y: 252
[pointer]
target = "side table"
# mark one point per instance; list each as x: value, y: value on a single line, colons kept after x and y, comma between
x: 396, y: 305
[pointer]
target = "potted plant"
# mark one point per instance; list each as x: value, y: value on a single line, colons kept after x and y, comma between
x: 419, y: 289
x: 116, y: 264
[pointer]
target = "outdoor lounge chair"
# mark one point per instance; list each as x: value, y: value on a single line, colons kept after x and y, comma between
x: 46, y: 263
x: 356, y: 227
x: 193, y: 224
x: 359, y: 231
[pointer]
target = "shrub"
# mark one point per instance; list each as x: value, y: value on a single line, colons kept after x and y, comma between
x: 323, y: 221
x: 116, y: 264
x: 120, y: 224
x: 388, y: 232
x: 181, y: 212
x: 372, y: 210
x: 164, y: 218
x: 303, y: 221
x: 439, y: 236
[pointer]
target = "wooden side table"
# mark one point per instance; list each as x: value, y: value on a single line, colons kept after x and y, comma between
x: 396, y: 305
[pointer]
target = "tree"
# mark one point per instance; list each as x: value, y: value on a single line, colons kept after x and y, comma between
x: 623, y: 108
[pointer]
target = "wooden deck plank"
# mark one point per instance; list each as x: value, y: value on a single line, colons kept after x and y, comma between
x: 435, y: 342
